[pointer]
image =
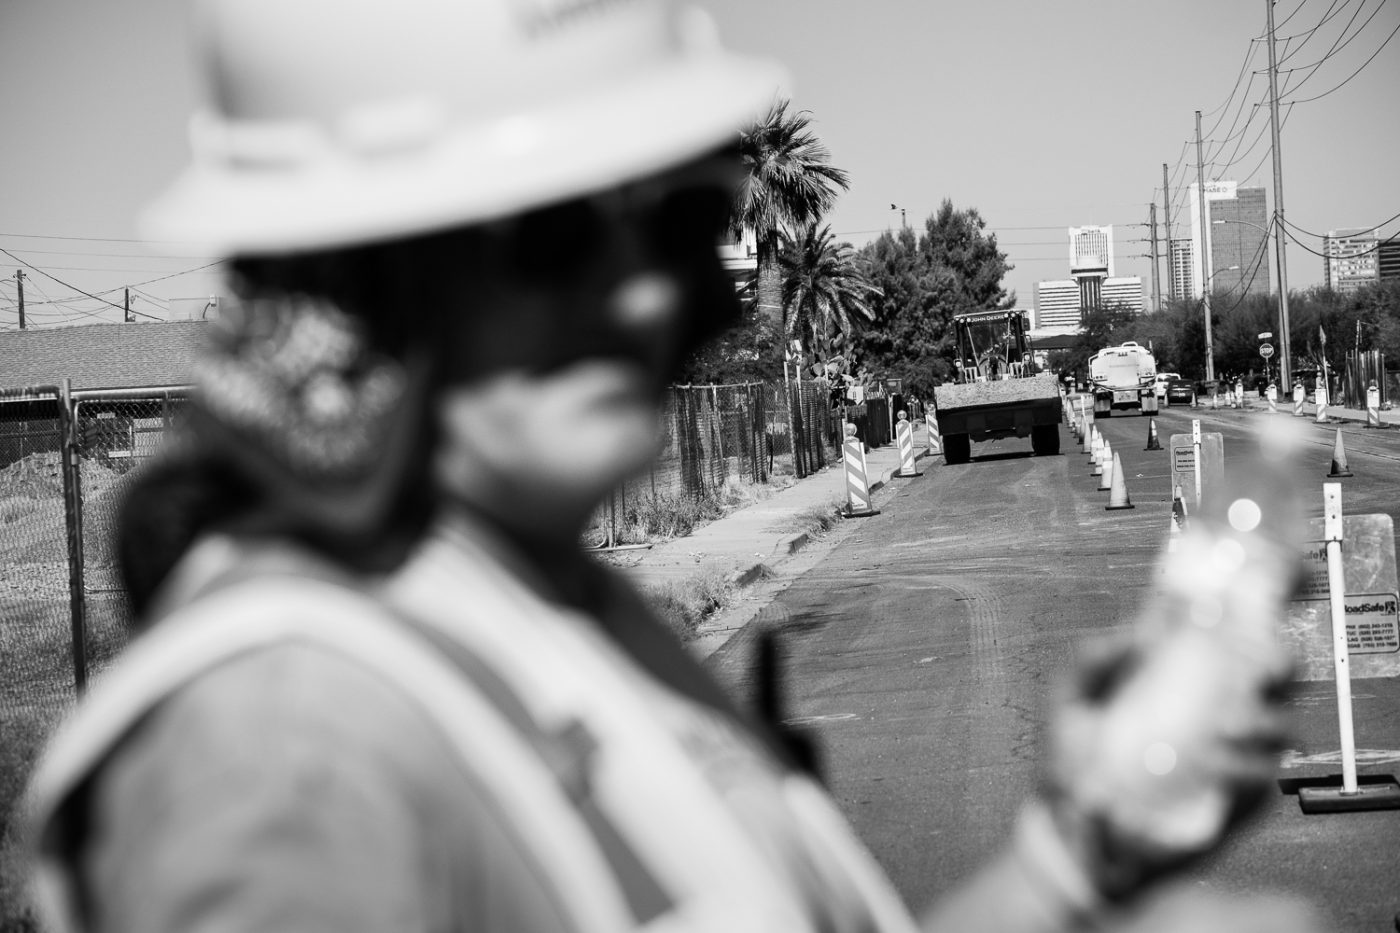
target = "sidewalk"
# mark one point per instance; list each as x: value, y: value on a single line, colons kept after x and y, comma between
x: 753, y: 542
x: 1388, y: 417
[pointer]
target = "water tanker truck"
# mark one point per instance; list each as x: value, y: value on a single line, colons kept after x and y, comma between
x: 1123, y: 377
x: 998, y: 394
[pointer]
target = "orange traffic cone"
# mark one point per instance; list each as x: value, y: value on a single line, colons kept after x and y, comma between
x: 1152, y: 442
x: 1118, y: 497
x: 1339, y: 459
x: 1109, y: 462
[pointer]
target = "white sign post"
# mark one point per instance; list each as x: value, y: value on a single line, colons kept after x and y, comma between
x: 1352, y: 795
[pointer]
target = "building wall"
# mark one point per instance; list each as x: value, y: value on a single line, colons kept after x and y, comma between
x: 1352, y: 259
x: 1123, y: 292
x: 1388, y: 260
x: 1239, y: 238
x: 1238, y: 242
x: 1182, y: 265
x: 1091, y: 249
x: 1056, y: 304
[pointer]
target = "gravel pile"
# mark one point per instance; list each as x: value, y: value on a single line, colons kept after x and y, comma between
x: 968, y: 395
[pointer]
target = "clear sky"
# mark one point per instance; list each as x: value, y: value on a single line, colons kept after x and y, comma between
x: 1042, y: 114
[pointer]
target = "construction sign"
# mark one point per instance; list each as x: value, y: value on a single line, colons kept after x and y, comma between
x: 1183, y: 464
x: 1372, y: 602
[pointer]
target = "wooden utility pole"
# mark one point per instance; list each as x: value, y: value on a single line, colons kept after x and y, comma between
x: 126, y: 306
x: 19, y: 277
x: 1167, y: 226
x: 1285, y: 364
x: 1156, y: 282
x: 1203, y: 259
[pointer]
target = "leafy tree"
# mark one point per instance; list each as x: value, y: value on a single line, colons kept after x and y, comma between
x: 751, y: 350
x: 788, y: 183
x: 924, y: 280
x: 824, y: 285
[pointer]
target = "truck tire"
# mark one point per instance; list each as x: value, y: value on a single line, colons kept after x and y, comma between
x: 1045, y: 440
x: 957, y: 448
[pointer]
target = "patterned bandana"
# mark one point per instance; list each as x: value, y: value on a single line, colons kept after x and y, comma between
x: 296, y: 376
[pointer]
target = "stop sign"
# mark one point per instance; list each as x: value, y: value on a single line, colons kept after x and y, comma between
x: 1266, y: 350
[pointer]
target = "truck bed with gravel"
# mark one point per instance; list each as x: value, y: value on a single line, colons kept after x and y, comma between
x: 998, y: 394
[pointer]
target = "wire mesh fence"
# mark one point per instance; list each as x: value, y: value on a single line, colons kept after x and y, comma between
x: 716, y: 438
x: 64, y: 458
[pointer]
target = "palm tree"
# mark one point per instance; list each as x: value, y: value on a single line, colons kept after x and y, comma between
x: 788, y: 183
x: 824, y: 287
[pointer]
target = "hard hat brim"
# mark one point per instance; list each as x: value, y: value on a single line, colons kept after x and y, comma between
x: 519, y: 162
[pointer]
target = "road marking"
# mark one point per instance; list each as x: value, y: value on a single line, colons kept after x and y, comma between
x: 810, y: 720
x: 1364, y: 756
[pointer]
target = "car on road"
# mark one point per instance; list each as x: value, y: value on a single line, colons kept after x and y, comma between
x: 1179, y: 391
x: 1161, y: 383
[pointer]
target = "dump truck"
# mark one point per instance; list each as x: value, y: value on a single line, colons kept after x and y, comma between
x: 998, y: 393
x: 1123, y: 378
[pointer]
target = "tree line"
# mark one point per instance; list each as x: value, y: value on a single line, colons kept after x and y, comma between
x: 830, y: 310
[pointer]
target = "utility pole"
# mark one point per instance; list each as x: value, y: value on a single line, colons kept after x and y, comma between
x: 1205, y: 250
x: 1285, y: 364
x: 19, y: 277
x: 126, y: 306
x: 1167, y: 226
x: 1156, y: 282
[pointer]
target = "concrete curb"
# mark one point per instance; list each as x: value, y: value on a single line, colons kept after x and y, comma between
x: 785, y: 548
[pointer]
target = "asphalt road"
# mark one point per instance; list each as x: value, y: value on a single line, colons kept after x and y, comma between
x: 921, y: 644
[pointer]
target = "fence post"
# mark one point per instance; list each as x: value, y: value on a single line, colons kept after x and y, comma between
x: 72, y: 507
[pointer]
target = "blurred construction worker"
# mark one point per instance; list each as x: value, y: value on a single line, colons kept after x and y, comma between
x: 379, y: 685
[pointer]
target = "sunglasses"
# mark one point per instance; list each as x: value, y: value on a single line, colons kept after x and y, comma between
x: 673, y: 220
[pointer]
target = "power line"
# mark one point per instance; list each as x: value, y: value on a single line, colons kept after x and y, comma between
x: 1335, y: 45
x: 1323, y: 236
x: 1307, y: 34
x: 75, y: 288
x: 1308, y: 100
x: 1379, y: 243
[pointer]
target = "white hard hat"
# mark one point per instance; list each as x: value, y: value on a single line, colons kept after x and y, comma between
x: 339, y: 122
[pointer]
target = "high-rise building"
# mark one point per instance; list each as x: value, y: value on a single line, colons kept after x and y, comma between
x: 1056, y: 304
x: 1090, y: 263
x: 1388, y: 258
x: 1123, y: 292
x: 1182, y: 265
x: 1350, y: 259
x: 1229, y: 246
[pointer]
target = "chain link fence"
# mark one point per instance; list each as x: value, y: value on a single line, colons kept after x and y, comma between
x: 64, y: 458
x: 717, y: 438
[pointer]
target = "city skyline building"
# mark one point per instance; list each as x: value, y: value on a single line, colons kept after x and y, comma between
x: 1057, y: 301
x: 1056, y: 304
x: 1090, y: 263
x: 1182, y: 266
x: 1388, y: 259
x: 1350, y: 259
x: 1229, y: 245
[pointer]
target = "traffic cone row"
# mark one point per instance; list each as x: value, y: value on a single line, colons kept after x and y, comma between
x: 1108, y: 467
